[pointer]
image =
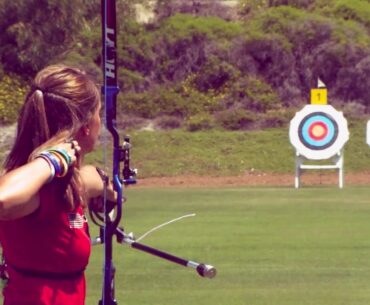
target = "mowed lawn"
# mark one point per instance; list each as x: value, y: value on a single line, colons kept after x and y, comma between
x: 273, y: 246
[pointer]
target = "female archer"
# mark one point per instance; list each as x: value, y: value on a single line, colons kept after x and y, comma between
x: 45, y: 188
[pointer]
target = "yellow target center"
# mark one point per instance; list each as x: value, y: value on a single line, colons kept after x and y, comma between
x: 318, y: 131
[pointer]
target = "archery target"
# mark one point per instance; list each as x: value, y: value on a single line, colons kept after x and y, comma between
x: 318, y: 132
x: 368, y: 133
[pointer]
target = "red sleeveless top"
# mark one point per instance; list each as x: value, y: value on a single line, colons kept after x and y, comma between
x: 46, y: 253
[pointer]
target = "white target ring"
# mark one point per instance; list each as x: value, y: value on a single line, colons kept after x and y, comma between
x: 318, y: 132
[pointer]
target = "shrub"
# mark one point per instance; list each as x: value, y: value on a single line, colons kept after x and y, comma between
x: 250, y: 7
x: 185, y: 26
x: 33, y: 33
x: 358, y: 10
x: 178, y: 58
x: 351, y: 109
x: 295, y: 3
x: 167, y: 8
x: 268, y: 55
x: 137, y: 104
x: 254, y: 94
x: 12, y: 94
x: 126, y: 121
x: 235, y: 119
x: 349, y: 81
x: 136, y: 53
x: 275, y: 118
x: 214, y: 75
x: 261, y: 96
x: 180, y: 101
x: 168, y: 122
x: 200, y: 121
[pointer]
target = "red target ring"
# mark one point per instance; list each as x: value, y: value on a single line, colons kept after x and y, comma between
x: 318, y: 131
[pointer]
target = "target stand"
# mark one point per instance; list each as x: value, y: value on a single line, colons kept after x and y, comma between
x: 318, y: 132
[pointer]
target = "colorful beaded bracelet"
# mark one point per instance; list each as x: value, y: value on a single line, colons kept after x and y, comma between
x: 59, y: 161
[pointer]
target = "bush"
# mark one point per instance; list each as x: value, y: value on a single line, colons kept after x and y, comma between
x: 295, y: 3
x: 351, y: 109
x: 178, y: 58
x: 200, y: 121
x: 35, y: 33
x: 167, y: 8
x: 260, y: 95
x: 126, y: 121
x: 358, y: 10
x: 180, y: 100
x: 268, y: 55
x: 12, y: 94
x: 254, y: 94
x: 183, y: 26
x: 276, y: 118
x: 168, y: 122
x: 136, y: 52
x: 247, y: 8
x: 235, y: 119
x: 163, y: 101
x: 214, y: 75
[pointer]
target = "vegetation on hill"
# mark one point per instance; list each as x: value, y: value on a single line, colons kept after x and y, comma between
x: 200, y: 65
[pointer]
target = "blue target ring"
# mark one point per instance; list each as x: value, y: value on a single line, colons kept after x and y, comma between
x: 328, y: 131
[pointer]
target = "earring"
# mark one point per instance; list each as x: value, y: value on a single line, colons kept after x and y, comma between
x: 86, y: 131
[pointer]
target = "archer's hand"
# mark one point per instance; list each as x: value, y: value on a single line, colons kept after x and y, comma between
x: 97, y: 205
x: 94, y: 185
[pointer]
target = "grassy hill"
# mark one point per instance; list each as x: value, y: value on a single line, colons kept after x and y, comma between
x: 196, y: 66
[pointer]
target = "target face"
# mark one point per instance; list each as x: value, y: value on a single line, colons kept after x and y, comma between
x: 368, y: 133
x: 318, y: 132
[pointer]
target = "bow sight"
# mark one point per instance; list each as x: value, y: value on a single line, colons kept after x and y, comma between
x: 128, y: 174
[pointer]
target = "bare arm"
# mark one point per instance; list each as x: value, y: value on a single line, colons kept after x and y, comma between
x: 19, y: 189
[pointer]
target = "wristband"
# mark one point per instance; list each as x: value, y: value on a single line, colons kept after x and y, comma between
x: 63, y: 164
x: 53, y: 161
x: 52, y: 169
x: 63, y: 153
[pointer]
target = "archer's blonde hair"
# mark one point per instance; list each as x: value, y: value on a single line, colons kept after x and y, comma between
x: 60, y: 101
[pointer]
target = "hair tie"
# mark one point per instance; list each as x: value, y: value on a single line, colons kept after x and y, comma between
x: 38, y: 91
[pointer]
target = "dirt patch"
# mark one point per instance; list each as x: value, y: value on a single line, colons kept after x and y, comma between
x: 307, y: 179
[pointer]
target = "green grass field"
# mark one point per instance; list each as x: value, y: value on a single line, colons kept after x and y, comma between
x: 271, y: 246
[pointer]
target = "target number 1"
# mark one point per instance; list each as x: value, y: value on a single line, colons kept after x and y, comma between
x: 319, y: 96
